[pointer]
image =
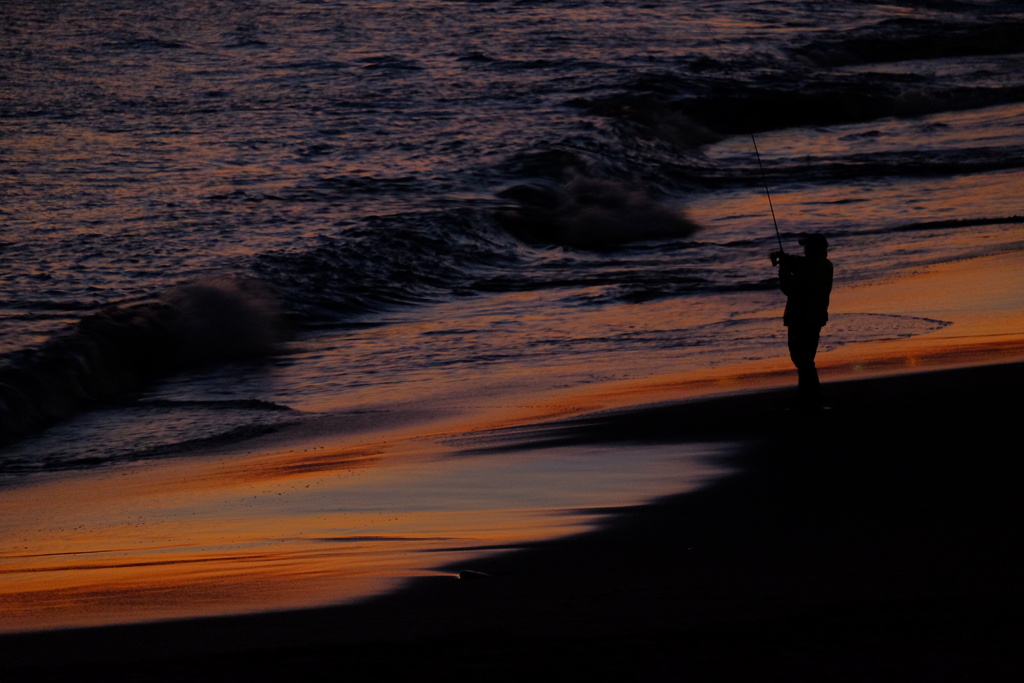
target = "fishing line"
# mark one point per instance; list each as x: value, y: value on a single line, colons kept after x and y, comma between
x: 764, y: 177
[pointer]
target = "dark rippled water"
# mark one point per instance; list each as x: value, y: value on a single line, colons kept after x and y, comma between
x: 218, y: 214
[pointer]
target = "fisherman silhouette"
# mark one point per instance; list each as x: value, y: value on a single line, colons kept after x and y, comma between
x: 807, y: 283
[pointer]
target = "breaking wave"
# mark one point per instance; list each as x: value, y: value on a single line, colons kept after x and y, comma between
x: 588, y: 213
x: 122, y: 348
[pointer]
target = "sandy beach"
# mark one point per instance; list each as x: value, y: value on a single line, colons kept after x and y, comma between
x: 878, y: 540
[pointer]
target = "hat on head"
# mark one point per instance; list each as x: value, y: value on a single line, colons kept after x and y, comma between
x: 814, y: 241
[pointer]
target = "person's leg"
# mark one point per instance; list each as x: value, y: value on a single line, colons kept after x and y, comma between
x: 803, y: 346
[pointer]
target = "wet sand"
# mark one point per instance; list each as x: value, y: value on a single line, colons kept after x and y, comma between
x: 879, y: 540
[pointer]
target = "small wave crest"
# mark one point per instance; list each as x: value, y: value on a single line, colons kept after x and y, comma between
x: 734, y: 107
x: 589, y: 213
x: 122, y: 348
x: 908, y: 38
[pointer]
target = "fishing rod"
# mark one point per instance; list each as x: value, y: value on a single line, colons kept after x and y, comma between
x: 767, y: 192
x: 760, y: 165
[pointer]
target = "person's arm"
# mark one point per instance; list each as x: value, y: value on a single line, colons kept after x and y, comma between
x: 786, y: 274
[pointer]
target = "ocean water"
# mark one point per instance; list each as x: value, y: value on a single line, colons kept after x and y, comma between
x: 224, y: 218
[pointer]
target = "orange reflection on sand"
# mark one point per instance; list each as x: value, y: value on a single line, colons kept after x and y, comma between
x: 983, y: 298
x: 291, y: 464
x: 151, y: 587
x: 215, y: 555
x: 295, y: 527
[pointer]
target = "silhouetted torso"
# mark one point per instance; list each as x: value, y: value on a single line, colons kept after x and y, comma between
x: 807, y: 282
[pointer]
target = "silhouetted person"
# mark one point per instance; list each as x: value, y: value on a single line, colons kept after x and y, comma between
x: 807, y: 283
